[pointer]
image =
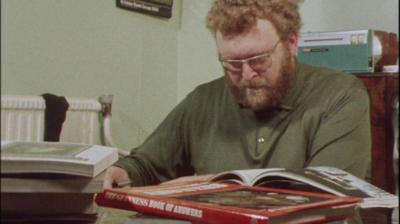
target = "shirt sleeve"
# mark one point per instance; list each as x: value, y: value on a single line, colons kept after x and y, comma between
x: 163, y: 155
x: 343, y: 138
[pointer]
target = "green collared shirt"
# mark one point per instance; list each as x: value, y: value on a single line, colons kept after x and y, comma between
x: 323, y: 121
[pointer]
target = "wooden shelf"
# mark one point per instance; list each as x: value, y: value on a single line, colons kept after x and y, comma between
x: 383, y: 89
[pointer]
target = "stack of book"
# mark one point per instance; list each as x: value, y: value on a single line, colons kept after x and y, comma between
x: 52, y: 182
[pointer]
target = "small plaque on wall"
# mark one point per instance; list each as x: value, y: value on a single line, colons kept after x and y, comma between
x: 162, y: 8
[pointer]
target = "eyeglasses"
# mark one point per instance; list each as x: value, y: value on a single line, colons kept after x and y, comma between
x: 258, y: 63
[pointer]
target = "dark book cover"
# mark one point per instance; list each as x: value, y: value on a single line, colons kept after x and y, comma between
x: 161, y: 8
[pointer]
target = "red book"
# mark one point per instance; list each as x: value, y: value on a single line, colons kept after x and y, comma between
x: 215, y: 202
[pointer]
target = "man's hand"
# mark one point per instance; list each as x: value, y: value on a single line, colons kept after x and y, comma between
x: 114, y: 175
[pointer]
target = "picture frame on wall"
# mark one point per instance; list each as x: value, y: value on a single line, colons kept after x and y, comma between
x: 160, y: 8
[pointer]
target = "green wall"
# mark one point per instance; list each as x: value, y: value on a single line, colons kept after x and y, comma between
x: 88, y: 48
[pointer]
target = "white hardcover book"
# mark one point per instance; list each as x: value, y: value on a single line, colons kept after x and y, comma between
x: 56, y: 157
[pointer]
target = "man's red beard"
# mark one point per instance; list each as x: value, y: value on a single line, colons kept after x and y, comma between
x: 258, y: 94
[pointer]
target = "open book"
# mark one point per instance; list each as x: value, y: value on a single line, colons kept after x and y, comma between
x: 220, y: 203
x: 312, y: 179
x: 55, y: 157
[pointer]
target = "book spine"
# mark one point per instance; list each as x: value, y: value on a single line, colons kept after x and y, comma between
x: 174, y: 209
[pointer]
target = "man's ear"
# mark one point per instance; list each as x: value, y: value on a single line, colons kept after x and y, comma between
x: 292, y: 42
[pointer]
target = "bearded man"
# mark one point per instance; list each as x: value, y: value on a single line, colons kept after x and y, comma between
x: 268, y: 110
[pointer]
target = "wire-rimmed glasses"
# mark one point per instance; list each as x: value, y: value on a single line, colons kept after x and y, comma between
x: 258, y: 62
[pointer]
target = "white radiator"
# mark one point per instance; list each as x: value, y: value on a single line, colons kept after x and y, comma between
x: 22, y: 118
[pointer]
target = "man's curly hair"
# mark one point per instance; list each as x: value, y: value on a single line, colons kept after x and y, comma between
x: 232, y: 17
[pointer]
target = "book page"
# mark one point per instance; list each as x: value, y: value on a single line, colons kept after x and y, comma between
x: 245, y: 177
x: 292, y: 181
x: 189, y: 179
x: 329, y: 180
x: 348, y: 181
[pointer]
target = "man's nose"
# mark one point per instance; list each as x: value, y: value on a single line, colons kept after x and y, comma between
x: 247, y: 72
